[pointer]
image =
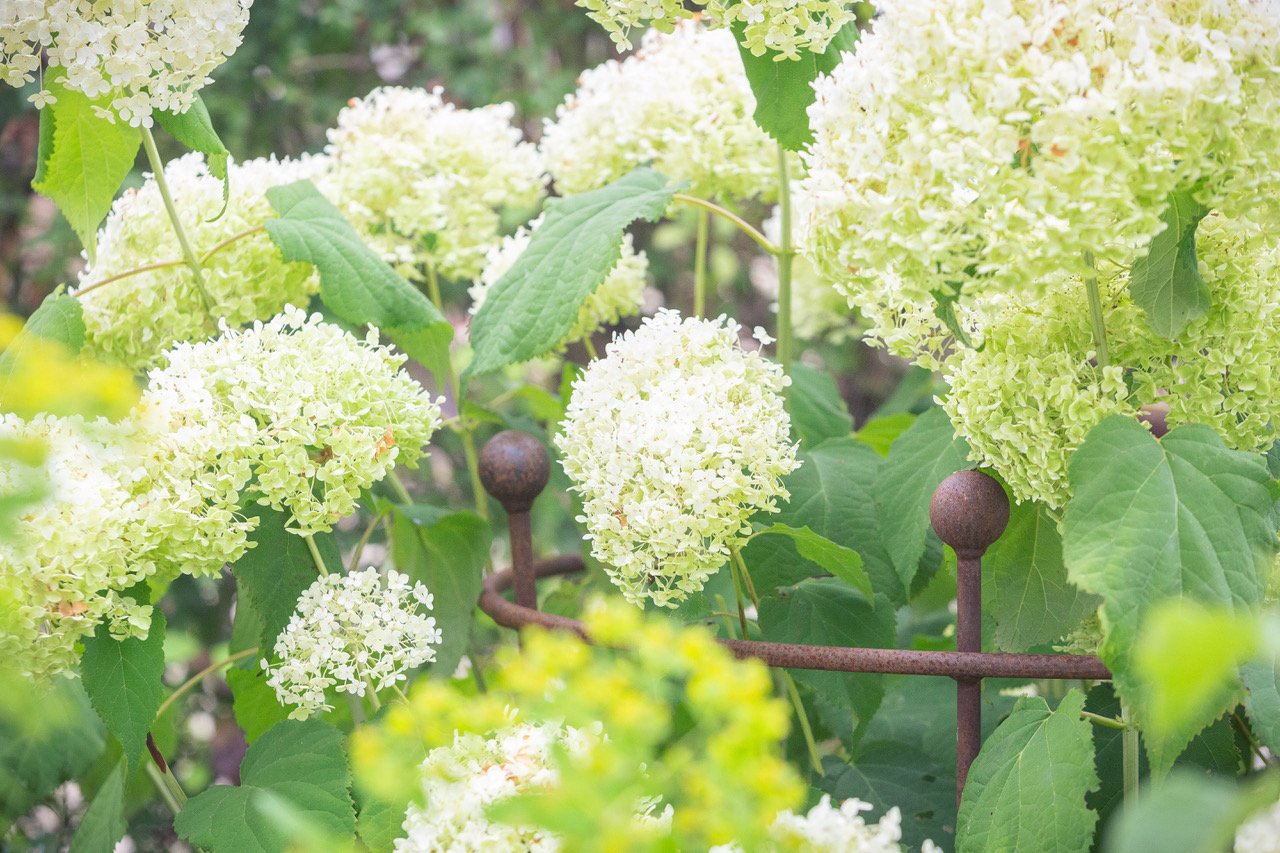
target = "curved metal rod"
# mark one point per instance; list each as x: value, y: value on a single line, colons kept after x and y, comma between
x: 830, y: 658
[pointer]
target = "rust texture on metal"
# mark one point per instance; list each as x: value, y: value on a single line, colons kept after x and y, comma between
x: 514, y: 468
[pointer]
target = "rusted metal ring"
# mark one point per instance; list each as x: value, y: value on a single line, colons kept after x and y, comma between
x: 958, y: 665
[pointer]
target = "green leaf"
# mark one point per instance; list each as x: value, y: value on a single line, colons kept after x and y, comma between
x: 1190, y: 813
x: 1025, y: 583
x: 1155, y: 519
x: 844, y: 563
x: 300, y: 765
x: 277, y: 568
x: 254, y: 702
x: 355, y: 283
x: 123, y: 680
x: 922, y: 457
x: 380, y: 824
x: 87, y: 159
x: 1166, y: 282
x: 531, y: 307
x: 1026, y: 789
x: 1262, y: 679
x: 784, y: 88
x: 103, y: 823
x: 818, y: 412
x: 60, y: 318
x: 194, y: 129
x: 827, y: 612
x: 50, y: 735
x: 448, y: 553
x: 889, y: 774
x: 882, y: 431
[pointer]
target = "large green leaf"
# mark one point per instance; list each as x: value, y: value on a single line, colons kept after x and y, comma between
x: 1025, y: 583
x: 844, y: 563
x: 122, y: 679
x: 447, y: 551
x: 534, y: 304
x: 103, y: 823
x: 254, y: 703
x: 194, y: 129
x: 277, y: 568
x: 1155, y: 519
x: 60, y: 318
x: 784, y: 88
x: 50, y: 735
x: 1026, y: 789
x: 1166, y: 282
x: 828, y: 612
x: 355, y: 283
x: 889, y: 774
x: 1190, y: 813
x: 298, y: 768
x: 1262, y: 680
x: 818, y: 412
x: 921, y: 458
x: 86, y: 160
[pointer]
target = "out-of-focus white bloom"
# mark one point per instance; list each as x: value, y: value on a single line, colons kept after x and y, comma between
x: 307, y: 412
x: 674, y: 440
x: 132, y: 320
x: 992, y: 147
x: 351, y: 633
x: 1026, y: 400
x: 142, y: 55
x: 828, y: 829
x: 819, y: 312
x: 784, y: 26
x: 682, y: 104
x: 1260, y: 833
x: 462, y: 780
x: 424, y: 181
x: 621, y: 294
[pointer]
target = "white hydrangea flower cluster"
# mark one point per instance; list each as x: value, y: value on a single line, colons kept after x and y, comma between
x: 674, y: 440
x: 621, y: 294
x: 122, y: 507
x: 681, y: 104
x: 143, y: 55
x: 424, y: 181
x: 992, y: 146
x: 784, y: 26
x: 1027, y: 399
x: 352, y: 633
x: 132, y: 320
x: 828, y: 829
x: 1260, y: 833
x: 462, y: 780
x: 299, y: 410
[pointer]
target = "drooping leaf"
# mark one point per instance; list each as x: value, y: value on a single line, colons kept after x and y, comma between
x: 1151, y: 520
x: 889, y: 774
x: 1189, y: 812
x: 355, y: 283
x: 122, y: 679
x: 103, y: 823
x: 1166, y: 282
x: 447, y: 551
x: 828, y: 612
x: 277, y: 568
x: 1025, y: 582
x: 254, y: 703
x: 534, y: 304
x: 88, y: 157
x: 818, y: 412
x: 1026, y: 789
x: 298, y: 768
x: 844, y: 563
x: 194, y: 129
x: 922, y: 457
x: 783, y: 89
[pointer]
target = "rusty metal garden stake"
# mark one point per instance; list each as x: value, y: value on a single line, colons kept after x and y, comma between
x: 514, y: 468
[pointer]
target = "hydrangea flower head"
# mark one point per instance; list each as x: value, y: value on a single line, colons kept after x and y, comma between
x: 988, y: 146
x: 142, y: 55
x: 674, y: 440
x: 681, y: 104
x: 352, y: 633
x: 424, y: 181
x: 826, y: 828
x: 132, y: 320
x: 621, y: 294
x: 312, y: 414
x: 1260, y: 833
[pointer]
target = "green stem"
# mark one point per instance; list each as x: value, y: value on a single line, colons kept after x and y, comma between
x: 590, y: 348
x: 373, y: 699
x: 159, y: 779
x: 188, y: 251
x: 1095, y: 315
x: 786, y: 256
x: 358, y: 552
x: 737, y: 591
x: 1099, y: 720
x: 433, y: 286
x: 700, y: 263
x: 315, y: 554
x: 1129, y: 756
x: 746, y: 227
x: 1245, y: 732
x: 736, y: 554
x: 160, y: 265
x: 201, y: 676
x: 473, y: 469
x: 397, y: 486
x: 803, y: 717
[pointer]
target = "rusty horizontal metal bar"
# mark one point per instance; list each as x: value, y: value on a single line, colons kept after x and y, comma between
x: 960, y: 665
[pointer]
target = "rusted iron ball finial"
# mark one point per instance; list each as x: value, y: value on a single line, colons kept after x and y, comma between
x: 969, y: 511
x: 514, y: 468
